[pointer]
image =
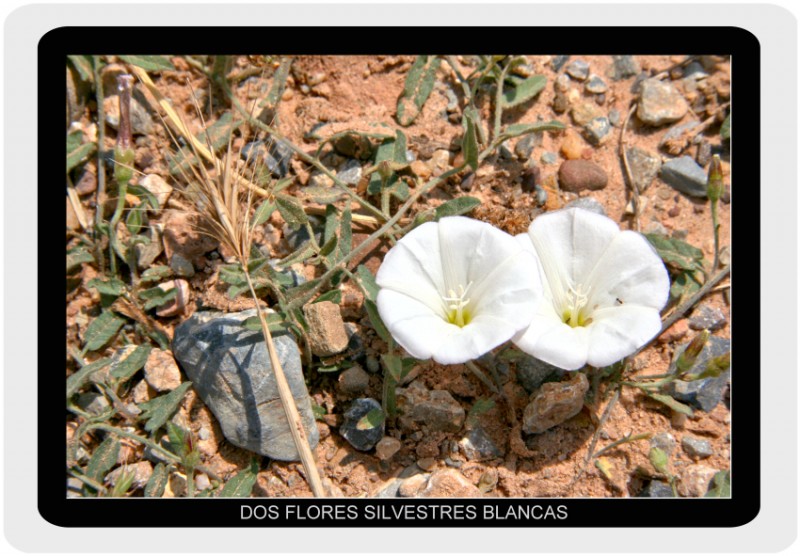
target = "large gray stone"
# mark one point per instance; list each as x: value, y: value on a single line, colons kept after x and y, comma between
x: 685, y: 175
x: 230, y: 369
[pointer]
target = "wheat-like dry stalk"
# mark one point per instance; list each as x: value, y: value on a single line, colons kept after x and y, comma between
x: 223, y: 198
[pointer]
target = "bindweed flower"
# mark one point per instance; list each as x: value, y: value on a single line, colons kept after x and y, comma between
x: 453, y: 290
x: 603, y: 290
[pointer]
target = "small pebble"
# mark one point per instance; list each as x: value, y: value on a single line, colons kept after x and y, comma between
x: 694, y: 480
x: 161, y: 371
x: 624, y: 67
x: 579, y: 175
x: 664, y: 441
x: 588, y: 203
x: 660, y: 103
x: 578, y: 69
x: 559, y: 61
x: 644, y: 167
x: 597, y: 131
x: 354, y: 380
x: 596, y: 85
x: 549, y: 158
x: 572, y: 146
x: 584, y: 112
x: 614, y: 117
x: 349, y: 172
x: 554, y: 403
x: 181, y: 266
x: 156, y: 185
x: 707, y: 318
x: 657, y: 489
x: 361, y: 439
x: 387, y: 447
x: 684, y: 175
x: 696, y: 448
x: 326, y: 332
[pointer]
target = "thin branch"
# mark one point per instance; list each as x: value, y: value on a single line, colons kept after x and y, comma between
x: 628, y: 175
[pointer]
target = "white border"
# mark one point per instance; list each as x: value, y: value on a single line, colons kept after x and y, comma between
x: 776, y: 526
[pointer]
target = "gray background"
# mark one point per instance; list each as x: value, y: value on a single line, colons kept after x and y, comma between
x: 776, y: 526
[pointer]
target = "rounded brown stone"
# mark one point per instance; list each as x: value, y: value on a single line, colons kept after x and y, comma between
x: 578, y: 175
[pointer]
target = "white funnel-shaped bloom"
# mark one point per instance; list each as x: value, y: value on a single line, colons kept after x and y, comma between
x: 603, y: 290
x: 453, y: 290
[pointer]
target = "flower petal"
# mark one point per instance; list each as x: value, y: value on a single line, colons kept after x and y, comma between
x: 550, y: 340
x: 616, y: 332
x: 631, y: 272
x: 481, y: 335
x: 413, y: 267
x: 569, y: 243
x: 415, y: 326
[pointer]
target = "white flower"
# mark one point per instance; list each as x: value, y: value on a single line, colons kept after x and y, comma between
x: 455, y: 289
x: 603, y: 290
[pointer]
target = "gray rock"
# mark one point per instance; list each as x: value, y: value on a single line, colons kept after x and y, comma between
x: 362, y: 439
x: 549, y: 158
x: 696, y: 448
x: 436, y: 409
x: 554, y: 403
x: 685, y: 175
x: 181, y: 266
x: 278, y: 158
x: 706, y: 393
x: 588, y: 203
x: 695, y: 480
x: 578, y: 69
x: 596, y: 85
x: 597, y: 131
x: 623, y: 67
x: 230, y: 369
x: 390, y: 490
x: 532, y: 372
x: 695, y: 70
x: 141, y: 120
x: 559, y: 61
x: 644, y: 167
x: 505, y: 152
x: 676, y: 132
x: 373, y: 365
x: 660, y: 103
x: 665, y: 442
x: 478, y: 446
x: 387, y: 447
x: 707, y: 318
x: 74, y: 487
x: 614, y: 117
x: 541, y: 195
x: 295, y: 239
x: 525, y: 145
x: 657, y: 489
x: 350, y: 172
x: 354, y: 380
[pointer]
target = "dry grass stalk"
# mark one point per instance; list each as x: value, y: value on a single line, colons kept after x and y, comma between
x: 224, y: 198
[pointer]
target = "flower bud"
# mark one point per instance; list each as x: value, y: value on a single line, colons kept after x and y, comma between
x: 123, y: 153
x: 687, y: 359
x: 716, y: 187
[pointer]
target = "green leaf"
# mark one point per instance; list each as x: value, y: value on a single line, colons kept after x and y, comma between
x: 685, y: 284
x: 418, y: 87
x: 83, y: 65
x: 371, y: 420
x: 345, y: 234
x: 677, y: 254
x: 386, y: 153
x: 334, y: 296
x: 144, y: 194
x: 77, y: 153
x: 398, y: 367
x: 721, y: 487
x: 158, y: 410
x: 113, y: 287
x: 671, y: 403
x: 103, y: 459
x: 469, y: 143
x: 101, y: 330
x: 659, y: 460
x: 515, y: 130
x: 329, y: 246
x: 127, y: 367
x: 480, y: 407
x: 305, y: 251
x: 149, y: 63
x: 241, y: 484
x: 319, y: 411
x: 134, y: 221
x: 80, y: 377
x: 523, y: 91
x: 457, y: 206
x: 76, y: 257
x: 725, y: 130
x: 367, y: 281
x: 291, y: 210
x: 375, y: 319
x: 156, y: 297
x: 275, y: 322
x: 155, y: 274
x: 157, y: 482
x: 263, y: 212
x: 278, y: 83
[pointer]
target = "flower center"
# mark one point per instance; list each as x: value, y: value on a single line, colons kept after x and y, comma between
x: 457, y: 306
x: 574, y: 304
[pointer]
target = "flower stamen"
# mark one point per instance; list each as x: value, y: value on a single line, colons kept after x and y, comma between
x: 575, y: 302
x: 456, y: 305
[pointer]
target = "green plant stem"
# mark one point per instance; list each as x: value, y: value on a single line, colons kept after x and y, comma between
x: 498, y: 103
x: 715, y: 224
x: 482, y: 376
x: 624, y: 440
x: 88, y: 481
x: 464, y: 83
x: 101, y: 167
x: 112, y: 225
x: 190, y: 482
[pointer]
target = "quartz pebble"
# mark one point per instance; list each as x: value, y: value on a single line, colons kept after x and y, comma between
x: 660, y: 103
x: 326, y: 332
